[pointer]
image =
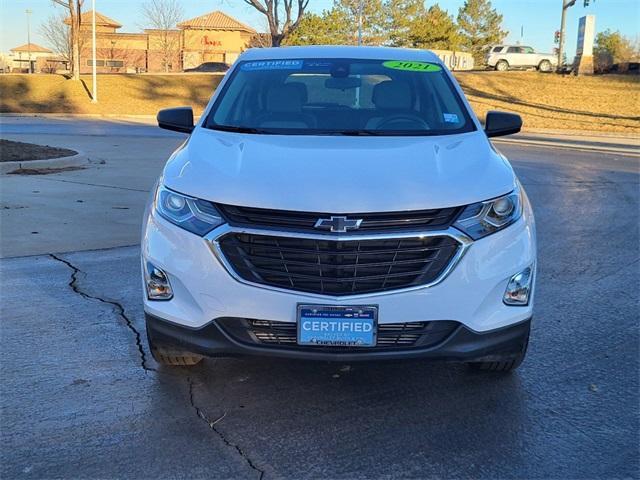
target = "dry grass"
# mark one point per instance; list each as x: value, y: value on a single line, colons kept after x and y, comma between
x: 20, y: 152
x: 600, y: 103
x: 117, y: 94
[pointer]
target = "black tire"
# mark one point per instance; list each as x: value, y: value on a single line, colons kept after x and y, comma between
x: 172, y: 357
x: 545, y: 66
x: 502, y: 66
x: 504, y: 367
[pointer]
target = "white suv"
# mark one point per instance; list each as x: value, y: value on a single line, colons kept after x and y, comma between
x: 505, y: 57
x: 339, y: 203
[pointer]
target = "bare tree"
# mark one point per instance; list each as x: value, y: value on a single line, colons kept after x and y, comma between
x: 58, y: 35
x: 163, y: 16
x: 260, y: 39
x: 74, y: 7
x: 273, y: 10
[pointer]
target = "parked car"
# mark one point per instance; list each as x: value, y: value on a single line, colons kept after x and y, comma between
x: 508, y: 57
x: 339, y: 203
x: 209, y: 67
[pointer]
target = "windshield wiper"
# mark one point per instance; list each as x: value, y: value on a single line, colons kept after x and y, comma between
x: 237, y: 129
x: 356, y: 133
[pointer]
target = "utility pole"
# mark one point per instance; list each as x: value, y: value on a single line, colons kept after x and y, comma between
x: 360, y: 9
x: 28, y: 12
x: 94, y: 92
x: 565, y: 5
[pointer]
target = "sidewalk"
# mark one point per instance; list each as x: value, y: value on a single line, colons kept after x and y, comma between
x: 623, y: 144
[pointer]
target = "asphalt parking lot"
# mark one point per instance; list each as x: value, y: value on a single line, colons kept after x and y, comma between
x: 82, y: 398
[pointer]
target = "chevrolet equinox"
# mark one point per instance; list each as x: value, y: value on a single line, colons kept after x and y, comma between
x: 339, y: 203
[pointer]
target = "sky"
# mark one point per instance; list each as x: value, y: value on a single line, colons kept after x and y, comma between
x: 536, y: 19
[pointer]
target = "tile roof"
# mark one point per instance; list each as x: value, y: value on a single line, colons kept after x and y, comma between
x: 86, y: 18
x: 32, y: 47
x: 216, y: 21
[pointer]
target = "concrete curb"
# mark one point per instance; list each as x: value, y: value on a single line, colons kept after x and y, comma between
x: 80, y: 115
x: 60, y: 162
x: 134, y: 118
x: 626, y: 150
x: 589, y: 141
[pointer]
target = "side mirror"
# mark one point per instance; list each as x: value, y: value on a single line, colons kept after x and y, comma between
x: 502, y: 123
x: 178, y: 119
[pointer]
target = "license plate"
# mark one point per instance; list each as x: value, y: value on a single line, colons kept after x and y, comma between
x: 332, y: 326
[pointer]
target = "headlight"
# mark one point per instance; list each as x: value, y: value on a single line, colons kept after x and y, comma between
x: 192, y: 214
x: 484, y: 218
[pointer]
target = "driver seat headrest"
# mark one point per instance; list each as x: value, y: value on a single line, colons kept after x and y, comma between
x: 392, y: 95
x: 284, y: 98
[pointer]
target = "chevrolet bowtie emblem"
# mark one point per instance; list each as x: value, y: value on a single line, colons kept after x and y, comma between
x: 338, y: 224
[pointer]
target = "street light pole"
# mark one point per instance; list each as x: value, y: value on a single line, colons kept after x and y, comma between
x: 94, y: 92
x: 28, y: 12
x: 360, y: 8
x: 565, y: 5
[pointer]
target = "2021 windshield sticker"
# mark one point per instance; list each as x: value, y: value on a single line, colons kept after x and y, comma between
x: 272, y: 65
x: 412, y: 66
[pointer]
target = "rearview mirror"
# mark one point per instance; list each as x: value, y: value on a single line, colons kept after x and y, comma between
x: 502, y: 123
x: 178, y: 119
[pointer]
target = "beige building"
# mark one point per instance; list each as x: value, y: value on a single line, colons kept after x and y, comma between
x: 26, y: 58
x: 213, y: 37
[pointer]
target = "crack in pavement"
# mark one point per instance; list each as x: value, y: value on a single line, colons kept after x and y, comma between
x: 212, y: 426
x: 117, y: 307
x: 120, y: 311
x: 129, y: 189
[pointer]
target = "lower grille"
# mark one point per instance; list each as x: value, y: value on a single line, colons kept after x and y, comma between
x: 390, y: 335
x: 338, y: 267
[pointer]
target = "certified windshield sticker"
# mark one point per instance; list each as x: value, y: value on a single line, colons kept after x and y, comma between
x: 272, y: 65
x: 412, y: 66
x: 450, y: 117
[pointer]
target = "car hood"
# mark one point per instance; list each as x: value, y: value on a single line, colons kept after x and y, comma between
x: 339, y: 174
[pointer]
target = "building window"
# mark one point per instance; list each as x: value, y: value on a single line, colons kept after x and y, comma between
x: 99, y: 63
x: 115, y: 63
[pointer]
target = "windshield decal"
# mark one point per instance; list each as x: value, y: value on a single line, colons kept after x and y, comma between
x: 412, y: 66
x: 272, y: 65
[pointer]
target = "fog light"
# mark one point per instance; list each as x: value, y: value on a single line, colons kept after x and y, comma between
x: 157, y: 283
x: 519, y: 288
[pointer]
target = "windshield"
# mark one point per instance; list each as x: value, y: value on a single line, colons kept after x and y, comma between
x: 339, y: 97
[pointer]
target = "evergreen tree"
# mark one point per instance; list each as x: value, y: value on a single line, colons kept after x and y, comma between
x: 329, y: 28
x: 374, y: 20
x: 403, y: 16
x: 480, y: 26
x: 436, y: 30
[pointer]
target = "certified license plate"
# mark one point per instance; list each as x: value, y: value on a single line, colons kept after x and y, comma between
x: 331, y: 326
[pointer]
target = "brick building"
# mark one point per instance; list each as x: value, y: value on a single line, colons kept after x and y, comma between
x: 213, y: 37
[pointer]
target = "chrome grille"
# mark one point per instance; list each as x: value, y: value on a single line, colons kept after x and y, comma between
x: 338, y: 267
x: 438, y: 218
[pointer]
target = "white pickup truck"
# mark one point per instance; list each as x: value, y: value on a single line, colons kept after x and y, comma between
x: 505, y: 57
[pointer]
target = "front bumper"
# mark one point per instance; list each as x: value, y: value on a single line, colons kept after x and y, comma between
x: 463, y: 344
x: 471, y: 293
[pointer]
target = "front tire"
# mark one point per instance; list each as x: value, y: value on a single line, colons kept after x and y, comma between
x: 544, y: 66
x: 502, y: 66
x: 171, y: 356
x: 505, y: 366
